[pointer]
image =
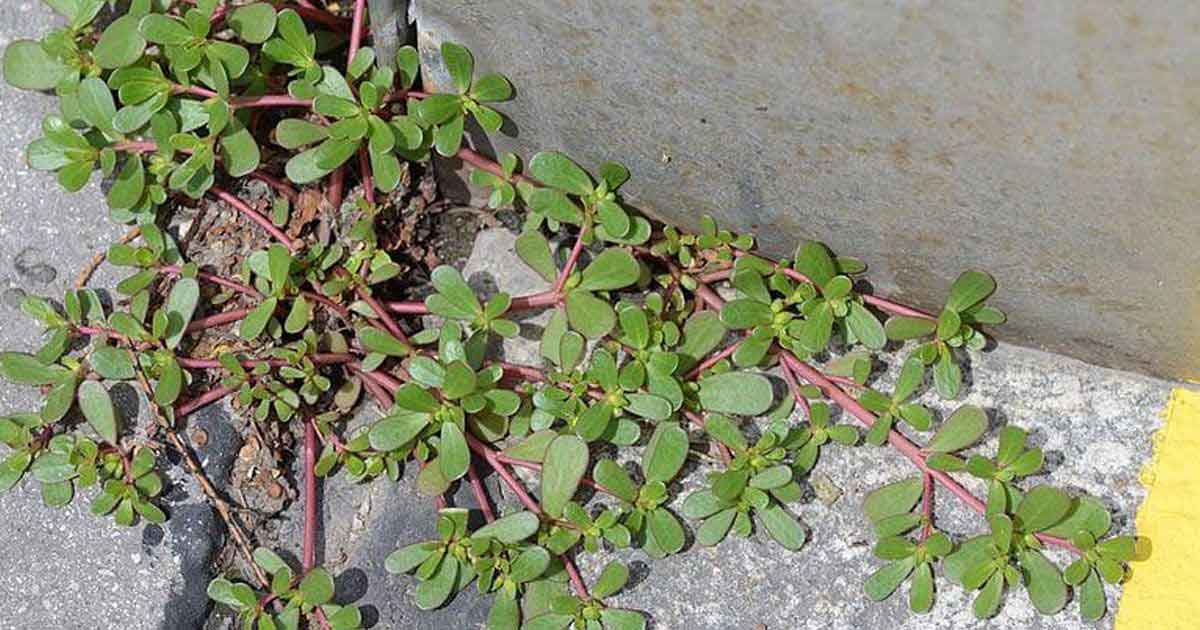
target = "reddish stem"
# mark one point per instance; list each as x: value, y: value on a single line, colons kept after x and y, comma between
x: 505, y: 475
x: 388, y: 321
x: 523, y: 372
x: 245, y: 102
x: 356, y: 29
x: 253, y: 215
x: 794, y: 386
x: 480, y: 492
x: 576, y: 580
x: 571, y: 262
x: 220, y: 319
x: 310, y: 495
x: 336, y: 182
x: 712, y: 360
x: 279, y: 185
x: 529, y: 302
x: 368, y: 183
x: 375, y: 389
x: 244, y: 289
x: 322, y: 16
x: 478, y: 161
x: 208, y: 397
x: 927, y: 504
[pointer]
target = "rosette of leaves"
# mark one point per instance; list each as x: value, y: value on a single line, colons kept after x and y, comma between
x: 446, y: 398
x: 1100, y: 560
x: 447, y: 112
x: 126, y: 492
x: 357, y: 124
x: 957, y: 326
x: 647, y: 339
x: 503, y: 192
x: 497, y: 556
x: 569, y: 195
x: 655, y: 528
x: 192, y: 55
x: 72, y: 155
x: 890, y: 509
x: 837, y: 305
x: 802, y: 319
x: 617, y: 397
x: 61, y: 462
x: 808, y: 440
x: 1010, y: 555
x: 454, y: 299
x: 302, y: 375
x: 227, y: 136
x: 603, y: 418
x: 553, y: 607
x: 258, y: 390
x: 1013, y: 461
x: 294, y: 46
x: 358, y: 459
x: 889, y: 409
x: 707, y: 246
x: 300, y: 597
x: 591, y: 530
x: 908, y: 560
x: 271, y: 273
x: 63, y: 56
x: 752, y: 485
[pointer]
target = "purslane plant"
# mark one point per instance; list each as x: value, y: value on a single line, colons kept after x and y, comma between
x: 640, y: 351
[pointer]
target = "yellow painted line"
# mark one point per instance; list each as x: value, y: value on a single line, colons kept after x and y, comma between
x: 1163, y: 592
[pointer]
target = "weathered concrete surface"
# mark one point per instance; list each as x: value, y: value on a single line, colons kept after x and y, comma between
x: 1052, y: 144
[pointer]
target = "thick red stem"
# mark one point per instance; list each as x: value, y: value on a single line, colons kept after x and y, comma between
x: 712, y: 360
x: 244, y: 289
x: 310, y: 496
x: 478, y: 161
x: 368, y: 183
x: 481, y: 496
x: 332, y: 358
x: 211, y: 396
x: 571, y: 262
x: 927, y: 504
x: 533, y: 301
x: 220, y: 319
x: 356, y: 28
x: 254, y: 216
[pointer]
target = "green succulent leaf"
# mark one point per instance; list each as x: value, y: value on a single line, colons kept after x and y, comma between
x: 564, y: 467
x: 963, y: 428
x: 743, y: 393
x: 97, y: 408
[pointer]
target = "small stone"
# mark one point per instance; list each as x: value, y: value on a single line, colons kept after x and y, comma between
x: 199, y: 437
x: 827, y: 492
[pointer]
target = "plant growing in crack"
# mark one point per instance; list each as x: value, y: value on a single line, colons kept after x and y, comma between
x: 643, y: 358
